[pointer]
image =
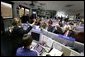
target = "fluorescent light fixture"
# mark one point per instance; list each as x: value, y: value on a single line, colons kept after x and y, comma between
x: 27, y: 10
x: 22, y: 8
x: 61, y: 14
x: 34, y: 12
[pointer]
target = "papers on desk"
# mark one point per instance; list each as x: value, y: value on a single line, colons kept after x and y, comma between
x: 36, y: 29
x: 46, y: 49
x: 55, y: 52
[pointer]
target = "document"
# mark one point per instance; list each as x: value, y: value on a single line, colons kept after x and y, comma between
x: 55, y: 52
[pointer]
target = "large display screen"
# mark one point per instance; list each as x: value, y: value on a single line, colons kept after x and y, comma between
x: 6, y: 10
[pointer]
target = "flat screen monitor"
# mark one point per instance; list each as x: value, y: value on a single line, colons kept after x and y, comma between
x: 6, y: 10
x: 35, y: 36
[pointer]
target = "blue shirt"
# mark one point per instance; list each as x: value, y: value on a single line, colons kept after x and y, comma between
x: 25, y: 52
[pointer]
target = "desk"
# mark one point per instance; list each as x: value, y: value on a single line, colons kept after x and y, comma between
x: 36, y: 29
x: 79, y: 29
x: 54, y: 52
x: 34, y: 44
x: 65, y: 37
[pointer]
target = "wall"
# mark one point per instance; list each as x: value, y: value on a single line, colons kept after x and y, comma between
x: 15, y: 10
x: 82, y: 13
x: 16, y: 4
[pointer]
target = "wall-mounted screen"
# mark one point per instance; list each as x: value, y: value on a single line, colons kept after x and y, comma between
x: 6, y: 10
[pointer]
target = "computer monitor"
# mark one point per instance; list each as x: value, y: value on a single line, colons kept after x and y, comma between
x: 35, y: 36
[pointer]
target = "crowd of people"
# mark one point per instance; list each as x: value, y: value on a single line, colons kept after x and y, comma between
x: 16, y: 33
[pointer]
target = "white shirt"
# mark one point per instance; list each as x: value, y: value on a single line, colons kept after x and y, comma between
x: 67, y: 26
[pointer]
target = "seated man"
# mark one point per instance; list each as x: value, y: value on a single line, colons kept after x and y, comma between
x: 49, y: 26
x: 25, y: 50
x: 58, y: 29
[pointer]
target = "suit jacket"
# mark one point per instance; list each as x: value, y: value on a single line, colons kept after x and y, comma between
x: 16, y: 37
x: 2, y: 24
x: 50, y: 28
x: 58, y: 31
x: 11, y: 41
x: 18, y: 33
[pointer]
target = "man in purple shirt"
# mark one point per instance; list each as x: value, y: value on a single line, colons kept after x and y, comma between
x: 25, y: 50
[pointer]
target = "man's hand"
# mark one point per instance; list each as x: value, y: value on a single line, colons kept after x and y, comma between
x: 34, y: 20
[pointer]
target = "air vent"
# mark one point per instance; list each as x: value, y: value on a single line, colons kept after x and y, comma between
x: 42, y: 3
x: 32, y: 4
x: 25, y: 3
x: 68, y: 5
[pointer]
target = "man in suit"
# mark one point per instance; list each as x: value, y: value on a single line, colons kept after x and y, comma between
x: 58, y: 30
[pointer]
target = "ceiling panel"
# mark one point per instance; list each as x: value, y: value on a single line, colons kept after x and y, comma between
x: 58, y: 5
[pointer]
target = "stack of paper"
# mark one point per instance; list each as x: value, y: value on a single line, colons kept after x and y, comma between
x: 55, y: 52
